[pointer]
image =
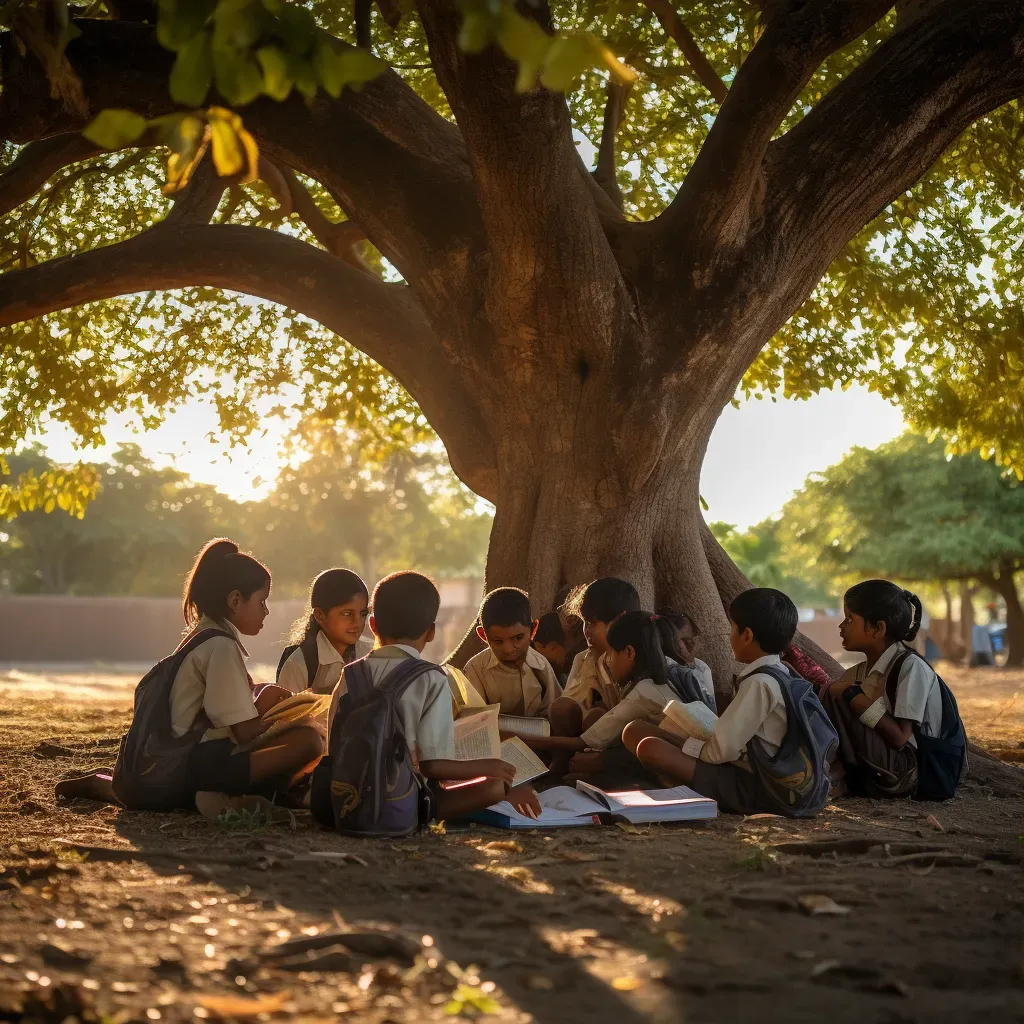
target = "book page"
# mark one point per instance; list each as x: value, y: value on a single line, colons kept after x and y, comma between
x: 694, y: 719
x: 523, y: 726
x: 464, y: 693
x: 477, y: 736
x: 527, y: 764
x: 301, y: 705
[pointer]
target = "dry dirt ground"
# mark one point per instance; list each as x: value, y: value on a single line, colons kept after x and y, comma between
x: 173, y: 917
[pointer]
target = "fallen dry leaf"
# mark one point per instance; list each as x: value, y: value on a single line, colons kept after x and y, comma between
x: 238, y: 1006
x: 508, y: 845
x: 626, y: 984
x: 935, y: 823
x: 818, y: 903
x: 631, y: 829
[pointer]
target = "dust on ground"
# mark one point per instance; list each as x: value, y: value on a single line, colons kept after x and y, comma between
x: 710, y: 922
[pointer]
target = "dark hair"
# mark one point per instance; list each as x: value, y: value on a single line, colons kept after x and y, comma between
x: 506, y: 606
x: 654, y: 639
x: 881, y: 601
x: 769, y: 615
x: 549, y: 629
x: 678, y: 619
x: 607, y: 598
x: 330, y: 588
x: 405, y: 605
x: 219, y: 570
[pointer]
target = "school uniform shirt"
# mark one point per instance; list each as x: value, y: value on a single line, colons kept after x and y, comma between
x: 644, y: 702
x: 295, y: 677
x: 918, y: 697
x: 424, y: 709
x: 590, y: 677
x: 212, y: 679
x: 528, y: 690
x: 758, y: 709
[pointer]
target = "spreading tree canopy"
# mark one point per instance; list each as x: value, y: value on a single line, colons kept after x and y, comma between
x: 776, y: 196
x: 906, y: 509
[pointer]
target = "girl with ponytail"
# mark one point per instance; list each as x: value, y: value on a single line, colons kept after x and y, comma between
x: 881, y: 706
x: 212, y: 695
x: 330, y: 636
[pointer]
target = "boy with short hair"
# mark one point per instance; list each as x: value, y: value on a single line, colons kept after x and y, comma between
x: 763, y: 624
x: 551, y: 642
x: 404, y: 609
x: 510, y: 672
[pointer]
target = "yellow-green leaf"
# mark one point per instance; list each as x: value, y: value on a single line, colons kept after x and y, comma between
x: 238, y: 76
x: 192, y: 72
x: 277, y: 82
x: 234, y: 150
x: 568, y: 58
x: 113, y: 129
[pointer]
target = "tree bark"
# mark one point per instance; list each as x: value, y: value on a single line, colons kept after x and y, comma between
x: 967, y: 617
x: 1004, y: 583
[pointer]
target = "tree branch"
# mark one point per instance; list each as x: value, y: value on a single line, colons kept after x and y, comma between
x: 384, y: 152
x: 383, y: 320
x: 37, y: 163
x: 722, y: 199
x: 197, y: 202
x: 881, y: 129
x: 614, y: 110
x: 675, y: 27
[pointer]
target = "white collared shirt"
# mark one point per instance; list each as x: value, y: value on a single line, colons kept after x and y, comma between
x: 758, y: 709
x: 528, y: 690
x: 590, y: 677
x: 212, y: 679
x: 918, y: 697
x: 331, y: 665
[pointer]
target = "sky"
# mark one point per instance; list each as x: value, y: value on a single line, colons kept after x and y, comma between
x: 759, y: 454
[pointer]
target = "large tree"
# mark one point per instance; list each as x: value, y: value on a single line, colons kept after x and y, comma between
x: 572, y: 335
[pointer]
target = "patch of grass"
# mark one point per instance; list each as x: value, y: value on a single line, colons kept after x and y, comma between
x: 258, y: 820
x: 760, y: 858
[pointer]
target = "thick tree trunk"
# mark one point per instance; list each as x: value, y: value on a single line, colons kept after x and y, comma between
x: 967, y: 617
x: 1005, y: 585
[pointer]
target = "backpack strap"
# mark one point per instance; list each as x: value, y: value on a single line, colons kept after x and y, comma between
x: 285, y: 655
x: 186, y: 647
x: 892, y: 677
x: 311, y: 656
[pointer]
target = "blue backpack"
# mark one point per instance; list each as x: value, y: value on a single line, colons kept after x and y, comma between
x: 367, y: 784
x: 796, y: 777
x: 942, y: 759
x: 683, y: 680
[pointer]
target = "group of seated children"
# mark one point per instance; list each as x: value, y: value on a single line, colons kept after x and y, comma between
x: 782, y: 744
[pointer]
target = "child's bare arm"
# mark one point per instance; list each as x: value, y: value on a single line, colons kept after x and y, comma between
x: 245, y: 732
x: 570, y: 743
x: 449, y: 770
x: 896, y: 732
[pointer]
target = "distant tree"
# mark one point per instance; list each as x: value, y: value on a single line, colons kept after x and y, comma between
x: 909, y: 511
x: 373, y: 509
x: 758, y: 553
x: 136, y: 537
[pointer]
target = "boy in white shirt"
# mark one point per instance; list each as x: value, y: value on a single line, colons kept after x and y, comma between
x: 404, y: 610
x: 763, y: 623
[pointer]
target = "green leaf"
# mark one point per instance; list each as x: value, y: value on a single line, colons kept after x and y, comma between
x: 304, y: 76
x: 568, y: 58
x: 179, y: 21
x: 527, y: 43
x: 352, y: 68
x: 298, y: 28
x: 238, y: 76
x: 113, y: 129
x: 239, y: 23
x: 277, y: 82
x: 478, y: 30
x: 192, y: 73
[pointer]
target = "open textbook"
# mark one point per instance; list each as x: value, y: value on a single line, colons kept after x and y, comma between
x: 476, y: 735
x: 521, y: 725
x: 288, y: 713
x: 695, y: 719
x: 563, y: 807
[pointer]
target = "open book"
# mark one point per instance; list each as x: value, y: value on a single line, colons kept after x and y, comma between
x: 521, y: 725
x: 563, y: 807
x: 465, y: 698
x: 694, y: 719
x: 300, y: 707
x: 476, y: 736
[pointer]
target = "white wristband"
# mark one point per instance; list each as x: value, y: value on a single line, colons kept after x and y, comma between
x: 693, y: 746
x: 874, y: 714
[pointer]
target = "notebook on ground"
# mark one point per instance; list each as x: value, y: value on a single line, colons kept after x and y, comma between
x: 644, y: 805
x: 563, y: 807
